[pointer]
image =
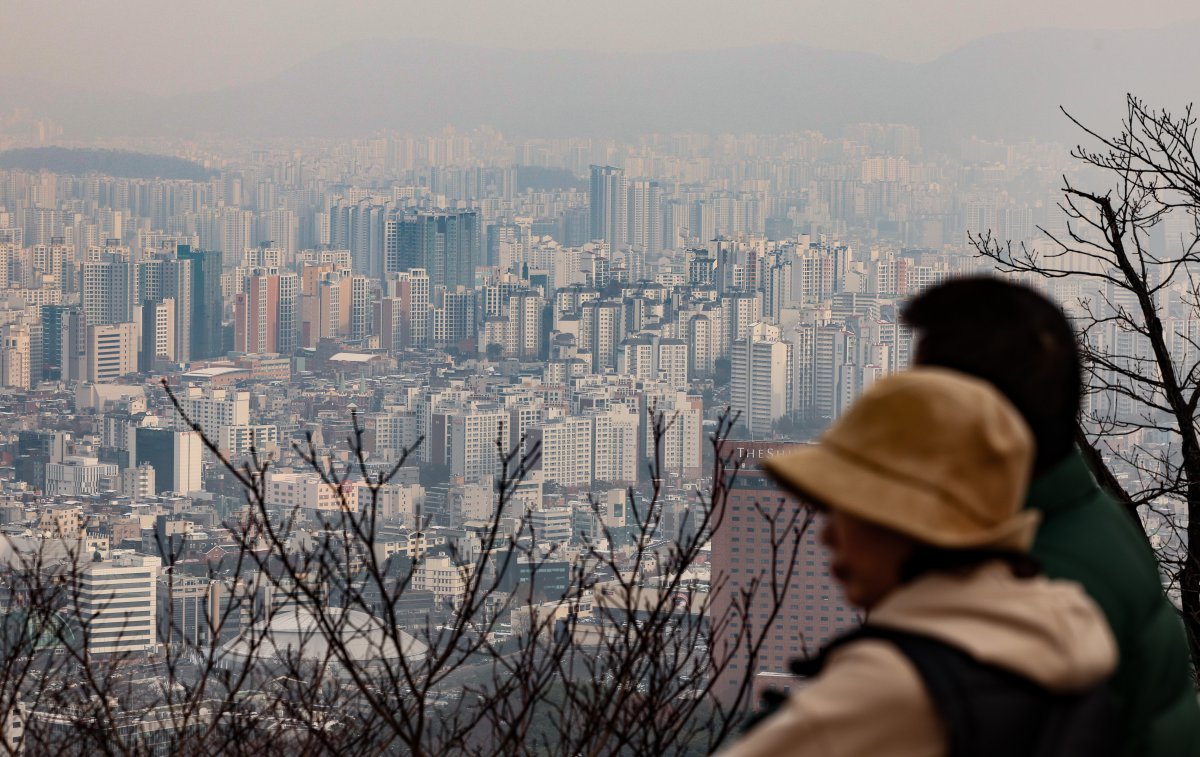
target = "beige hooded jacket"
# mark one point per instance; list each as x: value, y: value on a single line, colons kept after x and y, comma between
x: 869, y: 699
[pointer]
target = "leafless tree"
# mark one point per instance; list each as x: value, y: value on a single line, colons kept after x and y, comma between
x: 1133, y: 247
x: 317, y: 642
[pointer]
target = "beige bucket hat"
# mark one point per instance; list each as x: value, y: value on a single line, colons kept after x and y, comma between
x: 931, y: 453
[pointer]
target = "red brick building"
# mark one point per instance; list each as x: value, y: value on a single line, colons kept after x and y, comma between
x: 813, y: 610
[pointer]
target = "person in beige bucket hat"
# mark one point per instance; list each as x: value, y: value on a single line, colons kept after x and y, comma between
x: 949, y: 466
x: 922, y: 483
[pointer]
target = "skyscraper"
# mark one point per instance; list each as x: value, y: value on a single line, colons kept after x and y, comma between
x: 174, y: 455
x: 52, y: 342
x: 109, y: 289
x: 645, y: 217
x: 158, y: 333
x: 444, y: 243
x: 164, y: 277
x: 256, y: 314
x: 609, y: 200
x: 207, y: 302
x: 361, y: 228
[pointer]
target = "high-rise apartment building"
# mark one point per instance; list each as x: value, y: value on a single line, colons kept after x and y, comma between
x: 158, y: 334
x: 225, y: 417
x: 256, y: 315
x: 609, y: 201
x: 777, y: 286
x: 326, y: 302
x: 164, y: 277
x: 645, y: 217
x: 682, y: 427
x: 52, y: 342
x: 362, y: 299
x: 446, y: 244
x: 362, y: 228
x: 615, y: 447
x: 402, y: 316
x: 15, y: 356
x: 652, y: 358
x: 109, y: 289
x: 265, y: 311
x: 566, y: 450
x: 524, y: 337
x: 744, y: 310
x: 601, y: 330
x: 472, y: 435
x: 452, y: 316
x: 280, y: 228
x: 762, y: 375
x: 824, y: 370
x: 266, y: 308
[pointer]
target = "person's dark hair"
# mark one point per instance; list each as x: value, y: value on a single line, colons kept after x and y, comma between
x: 928, y: 559
x: 1014, y: 338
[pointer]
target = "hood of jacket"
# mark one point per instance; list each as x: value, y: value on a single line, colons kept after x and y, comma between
x: 1048, y: 631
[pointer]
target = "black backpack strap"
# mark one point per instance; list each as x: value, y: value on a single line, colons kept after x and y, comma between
x: 936, y: 663
x: 772, y: 699
x: 940, y: 667
x: 812, y: 666
x: 988, y: 710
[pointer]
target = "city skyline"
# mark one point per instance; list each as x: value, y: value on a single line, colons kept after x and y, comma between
x: 394, y: 378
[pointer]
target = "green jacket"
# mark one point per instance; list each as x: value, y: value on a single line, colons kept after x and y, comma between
x: 1085, y: 536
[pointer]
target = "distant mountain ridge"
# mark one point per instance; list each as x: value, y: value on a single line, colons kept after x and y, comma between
x: 1006, y: 85
x: 122, y: 163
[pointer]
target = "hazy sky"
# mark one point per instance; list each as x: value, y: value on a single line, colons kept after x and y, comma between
x: 172, y: 45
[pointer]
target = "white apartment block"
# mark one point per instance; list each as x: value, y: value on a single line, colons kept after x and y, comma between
x: 671, y: 362
x: 237, y: 440
x: 306, y: 491
x: 213, y: 408
x: 224, y: 415
x: 15, y: 356
x: 472, y: 444
x: 566, y: 451
x: 762, y: 375
x: 683, y: 420
x: 615, y: 445
x: 162, y: 321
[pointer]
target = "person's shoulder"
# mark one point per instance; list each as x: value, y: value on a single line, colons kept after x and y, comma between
x: 868, y: 699
x: 870, y: 681
x: 1095, y: 538
x: 871, y: 671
